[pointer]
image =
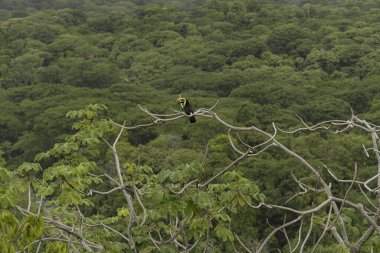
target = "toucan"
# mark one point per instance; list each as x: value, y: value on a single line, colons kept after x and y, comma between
x: 185, y: 104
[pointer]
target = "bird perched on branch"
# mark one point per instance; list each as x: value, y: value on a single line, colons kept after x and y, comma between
x: 187, y: 108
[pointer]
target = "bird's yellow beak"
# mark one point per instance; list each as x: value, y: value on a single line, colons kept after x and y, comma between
x: 181, y: 100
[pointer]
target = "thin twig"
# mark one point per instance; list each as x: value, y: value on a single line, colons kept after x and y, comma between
x: 308, y: 233
x: 275, y: 231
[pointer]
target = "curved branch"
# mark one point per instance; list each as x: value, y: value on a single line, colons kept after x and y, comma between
x: 136, y: 192
x: 334, y: 126
x: 184, y: 188
x: 275, y: 231
x: 225, y: 169
x: 308, y: 233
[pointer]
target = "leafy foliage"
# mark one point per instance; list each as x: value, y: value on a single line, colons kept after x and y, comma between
x: 267, y: 60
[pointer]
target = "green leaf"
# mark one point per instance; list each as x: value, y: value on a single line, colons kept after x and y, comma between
x: 147, y: 169
x: 8, y: 224
x: 241, y: 201
x: 4, y: 174
x: 163, y: 175
x: 70, y: 197
x: 123, y: 212
x: 168, y: 249
x: 71, y: 114
x: 231, y: 176
x: 225, y: 217
x: 27, y: 167
x: 224, y: 233
x: 56, y: 247
x: 11, y: 249
x: 32, y: 229
x: 189, y: 208
x: 147, y: 249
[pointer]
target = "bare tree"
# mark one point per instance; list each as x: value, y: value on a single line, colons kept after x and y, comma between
x: 332, y: 207
x: 334, y: 223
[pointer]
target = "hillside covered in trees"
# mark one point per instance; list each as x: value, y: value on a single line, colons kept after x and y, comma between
x: 293, y: 63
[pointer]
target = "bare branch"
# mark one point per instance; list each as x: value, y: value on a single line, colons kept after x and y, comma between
x: 308, y: 233
x: 29, y: 196
x: 40, y: 206
x: 88, y: 245
x: 154, y: 241
x: 105, y: 175
x: 299, y: 236
x: 176, y: 234
x: 305, y: 212
x: 136, y: 192
x: 309, y: 211
x: 365, y: 184
x: 204, y: 157
x: 232, y: 143
x: 362, y: 211
x: 366, y: 197
x: 335, y: 127
x: 286, y: 235
x: 325, y: 229
x: 104, y: 193
x: 365, y: 151
x: 275, y: 231
x: 207, y: 240
x: 364, y: 238
x: 225, y: 169
x: 184, y: 188
x: 115, y: 231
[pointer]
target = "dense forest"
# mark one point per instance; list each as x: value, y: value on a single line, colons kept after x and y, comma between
x: 96, y: 154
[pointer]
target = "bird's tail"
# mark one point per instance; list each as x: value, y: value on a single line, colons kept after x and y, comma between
x: 192, y: 119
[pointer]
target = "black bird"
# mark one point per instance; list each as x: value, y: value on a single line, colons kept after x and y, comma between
x: 187, y: 108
